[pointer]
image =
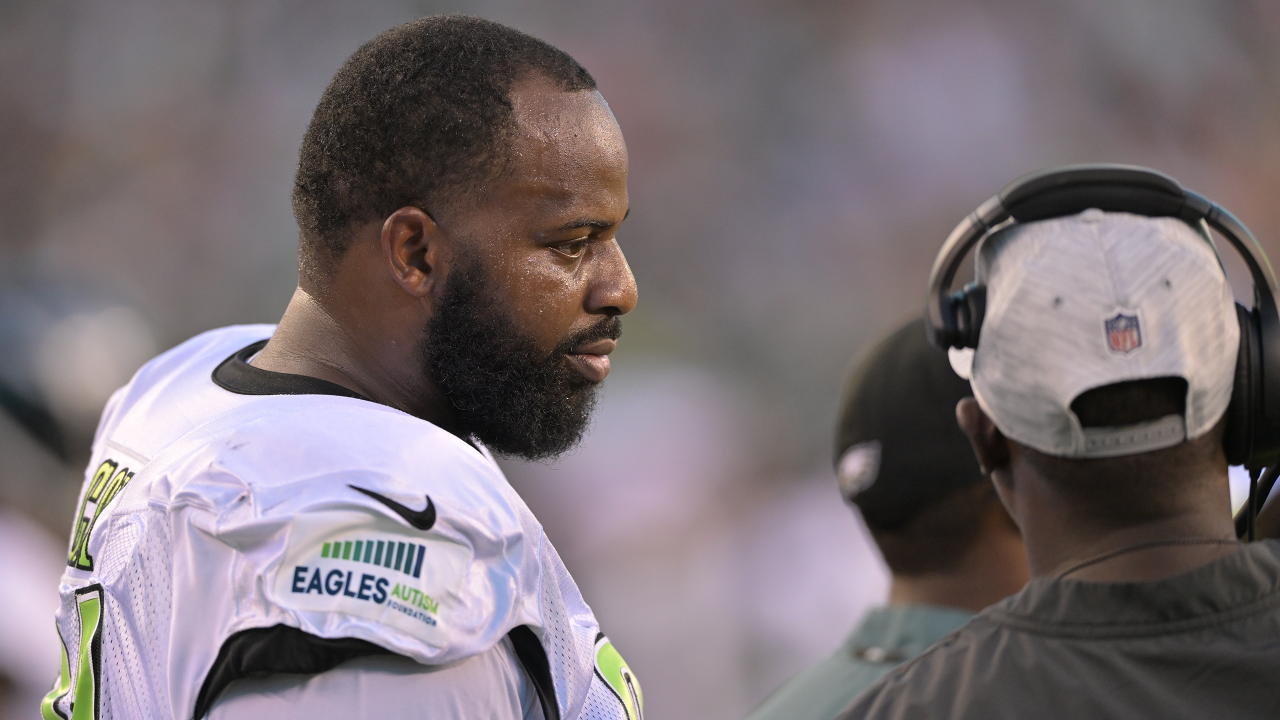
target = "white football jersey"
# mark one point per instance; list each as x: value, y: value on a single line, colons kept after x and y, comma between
x: 242, y: 525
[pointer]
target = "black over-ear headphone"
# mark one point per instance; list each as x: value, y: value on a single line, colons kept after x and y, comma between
x: 954, y: 320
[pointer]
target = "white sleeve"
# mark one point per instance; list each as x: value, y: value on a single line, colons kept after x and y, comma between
x: 489, y: 685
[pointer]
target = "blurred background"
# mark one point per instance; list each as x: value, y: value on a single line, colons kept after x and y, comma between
x: 795, y: 166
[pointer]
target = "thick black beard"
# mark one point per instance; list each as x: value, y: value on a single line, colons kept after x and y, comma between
x: 507, y: 394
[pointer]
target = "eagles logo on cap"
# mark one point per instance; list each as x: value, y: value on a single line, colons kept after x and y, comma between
x: 858, y: 468
x: 1124, y: 335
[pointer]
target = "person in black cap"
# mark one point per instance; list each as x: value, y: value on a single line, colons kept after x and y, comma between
x: 952, y: 548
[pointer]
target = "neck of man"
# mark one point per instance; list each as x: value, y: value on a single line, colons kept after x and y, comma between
x: 1194, y: 528
x: 378, y: 362
x: 993, y: 568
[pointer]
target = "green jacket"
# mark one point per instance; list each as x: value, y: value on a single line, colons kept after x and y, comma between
x: 1203, y: 644
x: 887, y: 637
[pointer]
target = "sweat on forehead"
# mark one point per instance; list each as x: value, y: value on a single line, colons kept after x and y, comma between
x: 564, y: 121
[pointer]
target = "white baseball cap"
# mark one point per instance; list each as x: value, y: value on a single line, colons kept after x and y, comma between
x: 1088, y: 300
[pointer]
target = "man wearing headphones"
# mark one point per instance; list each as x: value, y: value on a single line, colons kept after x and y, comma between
x: 946, y: 538
x: 1102, y: 376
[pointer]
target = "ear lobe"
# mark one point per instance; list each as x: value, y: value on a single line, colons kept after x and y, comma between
x: 989, y: 444
x: 412, y: 245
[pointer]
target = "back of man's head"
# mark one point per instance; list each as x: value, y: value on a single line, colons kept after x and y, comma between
x: 1108, y: 354
x: 901, y: 459
x: 419, y: 116
x: 1137, y: 488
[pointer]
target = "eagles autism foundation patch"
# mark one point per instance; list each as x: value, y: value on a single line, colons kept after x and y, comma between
x: 364, y: 565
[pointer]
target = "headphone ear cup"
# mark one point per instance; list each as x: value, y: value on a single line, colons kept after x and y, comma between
x: 976, y: 300
x: 968, y: 307
x: 1243, y: 412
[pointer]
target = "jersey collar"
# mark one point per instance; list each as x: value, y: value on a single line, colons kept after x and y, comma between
x: 238, y: 376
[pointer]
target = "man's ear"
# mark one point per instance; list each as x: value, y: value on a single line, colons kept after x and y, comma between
x: 989, y: 444
x: 415, y: 249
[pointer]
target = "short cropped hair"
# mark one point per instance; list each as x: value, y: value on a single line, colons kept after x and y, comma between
x: 418, y: 116
x: 938, y: 535
x: 1133, y: 488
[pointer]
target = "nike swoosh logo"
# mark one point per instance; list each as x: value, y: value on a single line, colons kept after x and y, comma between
x: 421, y: 519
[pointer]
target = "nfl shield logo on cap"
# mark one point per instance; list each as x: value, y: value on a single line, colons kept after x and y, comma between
x: 1123, y: 333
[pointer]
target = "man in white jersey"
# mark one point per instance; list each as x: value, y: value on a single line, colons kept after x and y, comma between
x: 305, y: 520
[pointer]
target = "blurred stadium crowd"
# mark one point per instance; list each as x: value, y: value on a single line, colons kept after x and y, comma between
x: 795, y: 165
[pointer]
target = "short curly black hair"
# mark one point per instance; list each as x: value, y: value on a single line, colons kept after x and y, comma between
x: 416, y: 117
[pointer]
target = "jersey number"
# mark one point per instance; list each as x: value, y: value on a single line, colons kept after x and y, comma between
x: 108, y: 481
x: 84, y: 704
